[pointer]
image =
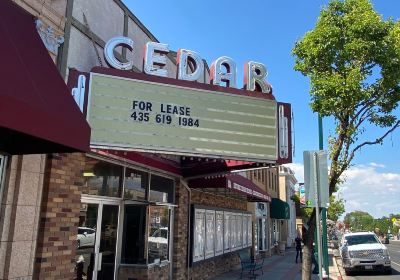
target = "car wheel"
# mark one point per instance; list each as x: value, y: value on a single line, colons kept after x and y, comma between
x: 78, y: 244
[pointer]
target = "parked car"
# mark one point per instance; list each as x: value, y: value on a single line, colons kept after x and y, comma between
x: 86, y: 237
x: 385, y: 239
x: 362, y: 251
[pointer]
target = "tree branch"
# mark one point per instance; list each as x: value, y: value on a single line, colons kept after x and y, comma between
x: 378, y: 140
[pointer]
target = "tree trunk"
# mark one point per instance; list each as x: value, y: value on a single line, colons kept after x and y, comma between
x: 308, y: 239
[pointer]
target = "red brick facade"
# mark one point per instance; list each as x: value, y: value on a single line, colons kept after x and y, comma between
x: 226, y: 262
x: 59, y: 217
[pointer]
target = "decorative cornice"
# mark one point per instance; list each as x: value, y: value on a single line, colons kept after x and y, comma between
x: 49, y: 38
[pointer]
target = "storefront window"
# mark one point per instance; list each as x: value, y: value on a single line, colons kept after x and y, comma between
x: 102, y: 178
x: 161, y: 189
x: 245, y: 233
x: 239, y: 230
x: 227, y: 244
x: 133, y: 239
x: 249, y: 231
x: 158, y: 234
x: 210, y: 233
x: 218, y: 232
x: 199, y: 235
x: 135, y: 185
x: 233, y: 232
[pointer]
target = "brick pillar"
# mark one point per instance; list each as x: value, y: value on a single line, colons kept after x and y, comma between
x: 59, y: 217
x: 181, y: 229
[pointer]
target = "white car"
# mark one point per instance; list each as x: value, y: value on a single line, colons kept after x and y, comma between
x: 362, y: 251
x: 86, y: 237
x: 158, y: 244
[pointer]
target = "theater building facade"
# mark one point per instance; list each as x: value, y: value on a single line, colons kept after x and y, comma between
x: 148, y: 164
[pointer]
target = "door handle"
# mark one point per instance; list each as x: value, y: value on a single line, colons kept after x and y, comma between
x: 99, y: 260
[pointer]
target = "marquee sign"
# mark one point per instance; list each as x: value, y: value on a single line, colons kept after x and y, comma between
x: 134, y: 114
x: 153, y: 113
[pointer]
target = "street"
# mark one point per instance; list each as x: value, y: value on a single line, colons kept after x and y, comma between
x: 394, y: 251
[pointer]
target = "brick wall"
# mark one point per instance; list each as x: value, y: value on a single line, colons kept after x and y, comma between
x: 215, y: 266
x: 209, y: 199
x: 144, y: 273
x: 210, y: 268
x: 59, y: 217
x: 181, y: 233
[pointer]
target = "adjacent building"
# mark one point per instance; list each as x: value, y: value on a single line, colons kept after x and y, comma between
x: 287, y: 182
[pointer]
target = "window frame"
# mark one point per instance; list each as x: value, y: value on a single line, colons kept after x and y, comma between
x: 147, y: 203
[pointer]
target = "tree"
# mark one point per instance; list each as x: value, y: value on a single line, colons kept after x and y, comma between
x: 384, y: 224
x: 359, y: 221
x: 336, y: 208
x: 352, y: 58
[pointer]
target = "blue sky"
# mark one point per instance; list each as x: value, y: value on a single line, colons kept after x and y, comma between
x: 265, y: 31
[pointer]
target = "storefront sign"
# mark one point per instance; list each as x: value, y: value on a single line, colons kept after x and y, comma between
x: 133, y: 114
x: 190, y: 65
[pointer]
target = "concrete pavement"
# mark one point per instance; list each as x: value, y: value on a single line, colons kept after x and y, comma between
x: 279, y: 267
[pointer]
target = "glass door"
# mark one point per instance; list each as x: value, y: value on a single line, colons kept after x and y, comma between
x: 96, y: 241
x: 107, y: 243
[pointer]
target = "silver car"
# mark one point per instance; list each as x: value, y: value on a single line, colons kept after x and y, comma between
x: 362, y: 251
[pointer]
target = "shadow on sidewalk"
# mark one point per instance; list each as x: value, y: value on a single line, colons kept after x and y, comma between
x: 279, y: 267
x: 275, y: 267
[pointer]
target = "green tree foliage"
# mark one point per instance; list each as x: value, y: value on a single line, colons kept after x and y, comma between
x: 362, y: 221
x: 305, y: 212
x: 352, y: 58
x: 359, y: 221
x: 336, y: 208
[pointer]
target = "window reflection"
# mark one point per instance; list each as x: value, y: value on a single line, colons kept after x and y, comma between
x: 135, y: 184
x: 199, y: 235
x: 86, y: 239
x: 161, y: 189
x: 210, y: 233
x: 133, y: 239
x: 158, y: 234
x: 102, y: 178
x: 219, y: 238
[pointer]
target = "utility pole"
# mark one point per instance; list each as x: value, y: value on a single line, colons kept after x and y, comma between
x: 324, y: 210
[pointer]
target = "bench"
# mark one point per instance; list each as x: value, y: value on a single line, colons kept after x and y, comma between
x: 249, y: 264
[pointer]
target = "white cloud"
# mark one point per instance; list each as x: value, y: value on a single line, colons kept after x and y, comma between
x: 298, y: 169
x: 374, y: 164
x: 366, y: 188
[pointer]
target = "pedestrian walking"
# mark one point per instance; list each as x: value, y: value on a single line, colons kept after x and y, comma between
x: 299, y: 252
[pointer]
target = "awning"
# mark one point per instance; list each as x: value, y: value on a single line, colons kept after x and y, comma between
x: 232, y: 183
x: 37, y: 112
x: 279, y: 209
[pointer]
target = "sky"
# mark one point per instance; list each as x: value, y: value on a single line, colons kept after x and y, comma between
x: 265, y: 31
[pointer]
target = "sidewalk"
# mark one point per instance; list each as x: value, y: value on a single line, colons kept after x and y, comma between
x: 280, y: 267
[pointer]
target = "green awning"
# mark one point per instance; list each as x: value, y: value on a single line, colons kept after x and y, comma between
x: 279, y: 209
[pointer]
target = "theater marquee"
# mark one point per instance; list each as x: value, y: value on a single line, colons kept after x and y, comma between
x: 135, y: 114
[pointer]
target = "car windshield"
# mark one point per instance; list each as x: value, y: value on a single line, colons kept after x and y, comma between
x: 361, y: 239
x: 160, y: 233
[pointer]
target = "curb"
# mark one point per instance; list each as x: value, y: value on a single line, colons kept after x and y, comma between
x: 338, y: 265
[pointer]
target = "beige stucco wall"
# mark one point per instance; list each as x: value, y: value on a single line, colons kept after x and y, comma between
x: 105, y: 19
x: 20, y: 208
